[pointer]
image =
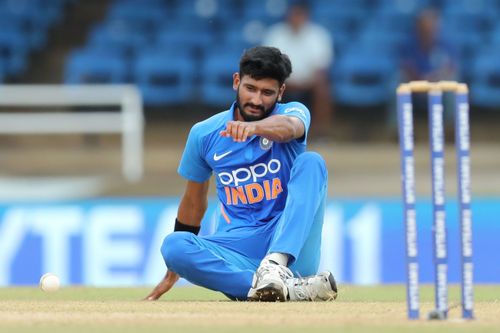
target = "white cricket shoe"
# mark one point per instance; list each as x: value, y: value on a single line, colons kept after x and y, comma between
x: 268, y: 284
x: 319, y: 287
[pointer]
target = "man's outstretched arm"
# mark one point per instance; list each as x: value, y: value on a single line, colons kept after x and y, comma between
x: 193, y: 205
x: 278, y: 128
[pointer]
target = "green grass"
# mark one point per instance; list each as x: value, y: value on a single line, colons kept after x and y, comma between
x: 193, y: 309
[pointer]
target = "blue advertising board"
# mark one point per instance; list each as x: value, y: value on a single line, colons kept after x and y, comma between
x: 116, y: 242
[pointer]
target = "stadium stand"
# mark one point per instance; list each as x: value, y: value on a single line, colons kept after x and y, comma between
x: 24, y: 26
x: 151, y: 36
x: 217, y: 71
x: 165, y: 82
x: 365, y: 78
x: 485, y: 79
x: 96, y: 65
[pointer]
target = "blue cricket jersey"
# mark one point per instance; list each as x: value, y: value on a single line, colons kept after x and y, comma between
x: 251, y: 176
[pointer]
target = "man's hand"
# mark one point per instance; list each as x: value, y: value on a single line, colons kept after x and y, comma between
x: 165, y: 285
x: 239, y: 130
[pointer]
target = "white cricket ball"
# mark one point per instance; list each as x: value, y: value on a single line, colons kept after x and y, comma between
x: 49, y: 282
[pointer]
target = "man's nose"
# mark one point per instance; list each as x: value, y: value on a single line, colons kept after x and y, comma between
x: 256, y: 98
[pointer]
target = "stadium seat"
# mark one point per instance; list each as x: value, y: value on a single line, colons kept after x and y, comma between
x: 165, y: 77
x: 243, y: 35
x: 3, y: 69
x: 390, y: 20
x: 364, y: 78
x: 178, y: 35
x: 462, y: 21
x: 485, y: 79
x: 14, y: 49
x: 145, y: 17
x: 206, y: 10
x: 332, y: 6
x: 494, y: 37
x: 118, y: 34
x: 96, y: 66
x: 470, y: 6
x: 404, y: 7
x: 380, y: 40
x: 340, y: 17
x: 269, y: 11
x: 217, y: 72
x: 33, y: 25
x: 386, y: 31
x: 467, y: 46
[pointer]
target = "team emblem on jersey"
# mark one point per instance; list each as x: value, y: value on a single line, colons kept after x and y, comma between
x: 265, y: 144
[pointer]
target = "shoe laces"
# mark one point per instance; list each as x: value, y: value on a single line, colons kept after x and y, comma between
x: 271, y: 268
x: 310, y: 287
x: 301, y: 287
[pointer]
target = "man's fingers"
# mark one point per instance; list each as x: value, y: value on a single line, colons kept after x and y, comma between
x: 165, y: 285
x: 246, y: 133
x: 241, y: 133
x: 238, y: 130
x: 234, y: 131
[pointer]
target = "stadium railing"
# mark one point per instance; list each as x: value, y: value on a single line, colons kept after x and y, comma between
x: 129, y: 121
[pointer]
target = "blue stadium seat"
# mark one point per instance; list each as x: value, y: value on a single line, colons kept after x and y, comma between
x: 96, y: 66
x: 463, y: 21
x: 343, y: 22
x: 494, y: 37
x: 340, y: 16
x: 390, y: 20
x: 404, y: 7
x: 138, y: 2
x: 118, y: 35
x: 380, y: 40
x: 165, y: 77
x: 364, y: 78
x: 14, y: 49
x: 32, y: 24
x: 243, y: 35
x: 341, y: 5
x: 184, y: 36
x: 467, y: 46
x: 485, y: 79
x: 3, y: 70
x: 145, y: 17
x: 217, y: 76
x: 470, y: 6
x: 467, y: 31
x: 206, y: 10
x: 269, y: 11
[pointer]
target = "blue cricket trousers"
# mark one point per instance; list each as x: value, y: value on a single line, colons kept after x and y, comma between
x: 226, y: 261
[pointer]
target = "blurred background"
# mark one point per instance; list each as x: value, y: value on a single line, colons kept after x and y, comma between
x: 66, y: 196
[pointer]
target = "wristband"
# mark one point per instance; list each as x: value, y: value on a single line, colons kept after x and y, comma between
x: 179, y: 226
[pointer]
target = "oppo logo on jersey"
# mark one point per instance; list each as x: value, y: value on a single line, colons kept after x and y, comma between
x: 253, y: 192
x: 254, y: 172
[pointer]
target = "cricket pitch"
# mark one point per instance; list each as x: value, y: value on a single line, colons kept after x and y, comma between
x: 193, y: 309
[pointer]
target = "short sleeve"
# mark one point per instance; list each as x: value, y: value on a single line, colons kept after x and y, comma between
x: 193, y: 165
x: 298, y: 110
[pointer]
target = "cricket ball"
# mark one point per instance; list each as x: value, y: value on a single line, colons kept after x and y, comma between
x: 49, y: 282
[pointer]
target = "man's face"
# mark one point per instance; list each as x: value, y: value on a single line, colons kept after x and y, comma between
x: 297, y: 17
x: 256, y: 99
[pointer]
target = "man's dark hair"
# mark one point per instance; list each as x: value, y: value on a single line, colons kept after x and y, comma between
x: 264, y: 62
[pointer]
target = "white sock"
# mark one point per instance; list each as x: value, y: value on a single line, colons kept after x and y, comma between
x: 280, y: 258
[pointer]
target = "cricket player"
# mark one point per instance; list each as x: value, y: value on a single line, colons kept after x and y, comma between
x: 271, y: 192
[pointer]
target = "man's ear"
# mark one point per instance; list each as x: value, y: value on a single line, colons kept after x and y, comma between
x: 281, y: 92
x: 236, y: 81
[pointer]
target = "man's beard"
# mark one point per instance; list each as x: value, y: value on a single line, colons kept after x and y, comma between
x: 250, y: 117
